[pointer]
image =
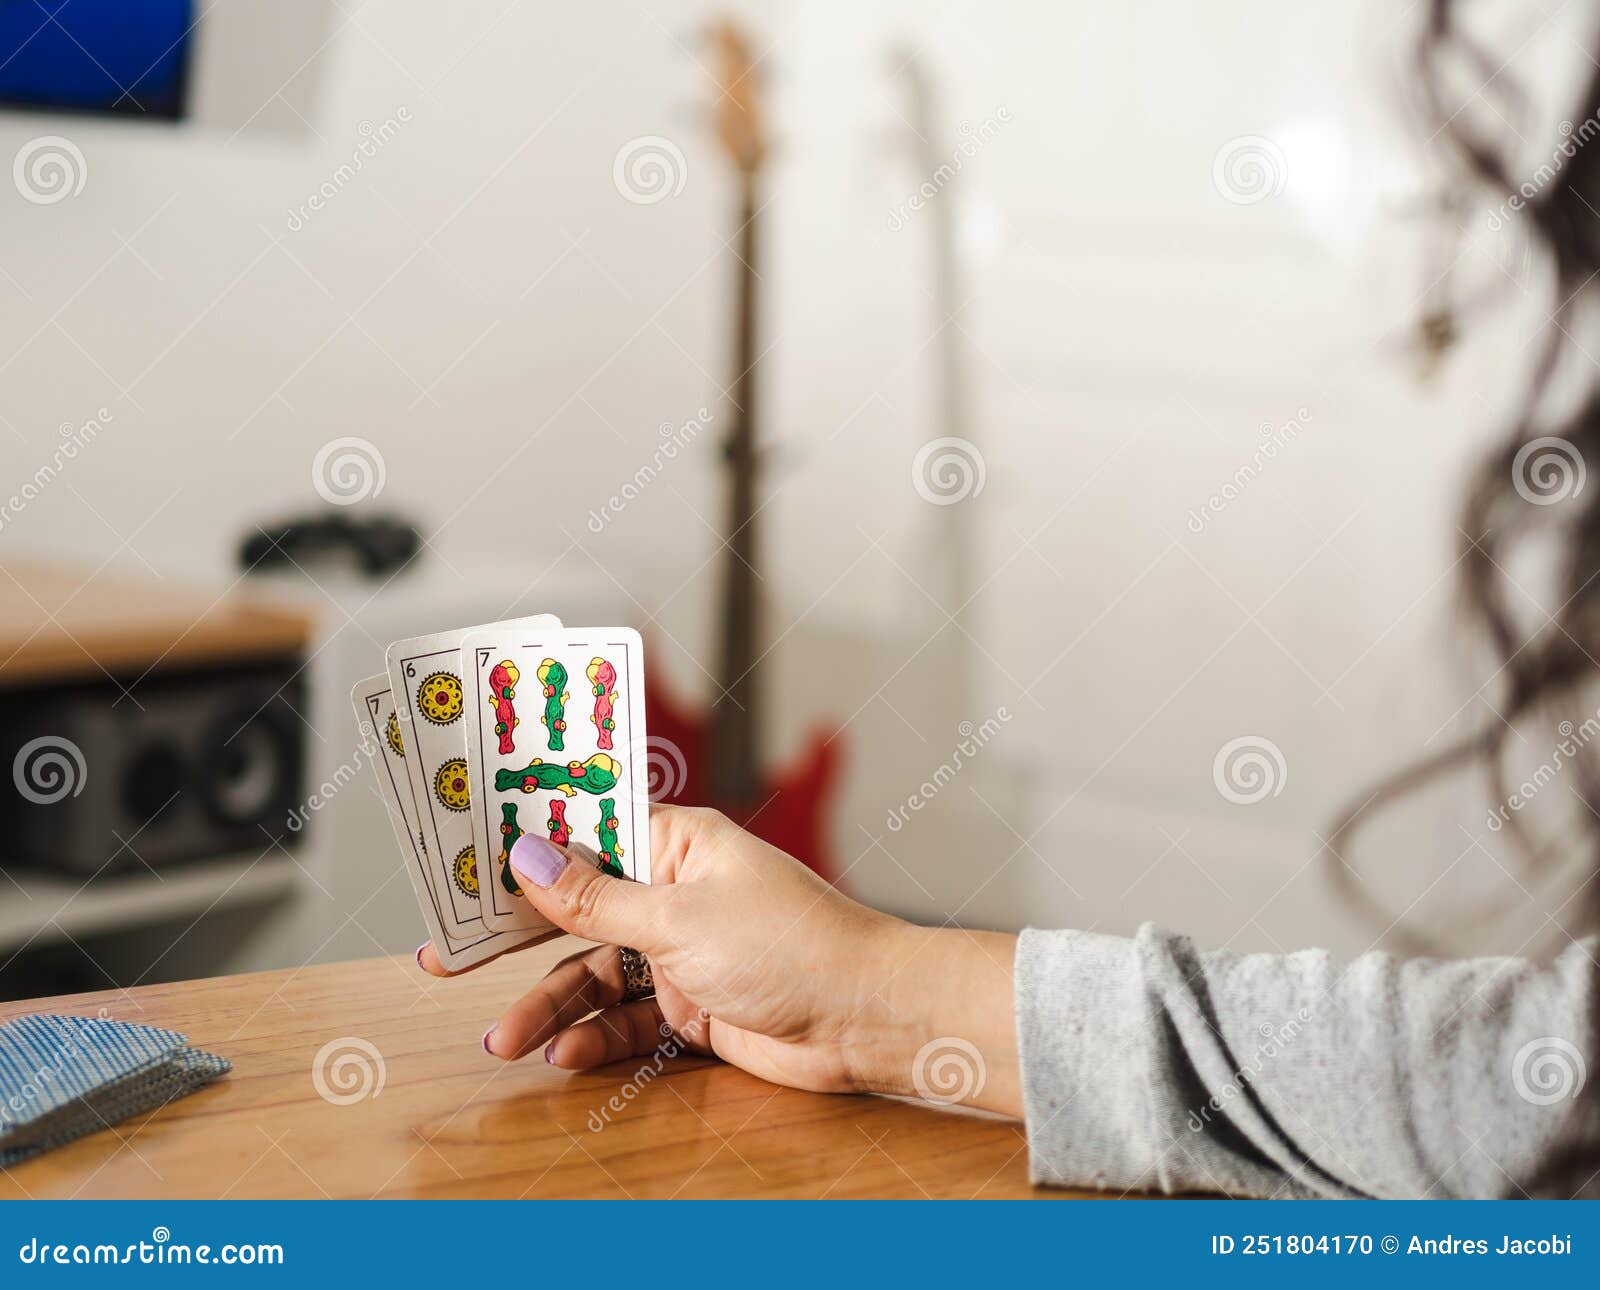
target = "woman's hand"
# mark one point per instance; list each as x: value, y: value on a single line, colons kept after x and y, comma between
x: 760, y: 962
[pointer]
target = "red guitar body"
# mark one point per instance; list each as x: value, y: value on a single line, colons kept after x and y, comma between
x: 791, y: 810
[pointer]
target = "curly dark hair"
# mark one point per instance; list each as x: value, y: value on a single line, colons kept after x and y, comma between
x: 1523, y: 492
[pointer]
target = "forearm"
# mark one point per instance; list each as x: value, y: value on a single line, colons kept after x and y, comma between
x: 942, y: 1023
x: 1146, y: 1064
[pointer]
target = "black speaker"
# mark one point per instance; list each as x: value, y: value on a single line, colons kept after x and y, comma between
x: 179, y: 766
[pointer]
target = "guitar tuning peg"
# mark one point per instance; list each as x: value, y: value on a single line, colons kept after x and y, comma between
x: 763, y: 458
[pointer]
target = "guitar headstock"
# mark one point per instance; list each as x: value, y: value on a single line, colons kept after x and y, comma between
x: 740, y: 128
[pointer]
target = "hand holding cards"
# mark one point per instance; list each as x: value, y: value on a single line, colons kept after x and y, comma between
x: 476, y: 747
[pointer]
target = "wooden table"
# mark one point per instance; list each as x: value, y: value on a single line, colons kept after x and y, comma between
x: 451, y: 1121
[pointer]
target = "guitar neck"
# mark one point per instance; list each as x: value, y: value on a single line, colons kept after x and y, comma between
x: 736, y: 717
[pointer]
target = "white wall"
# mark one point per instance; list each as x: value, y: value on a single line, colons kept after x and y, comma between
x: 481, y: 303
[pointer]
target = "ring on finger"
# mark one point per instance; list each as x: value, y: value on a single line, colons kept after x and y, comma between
x: 638, y: 982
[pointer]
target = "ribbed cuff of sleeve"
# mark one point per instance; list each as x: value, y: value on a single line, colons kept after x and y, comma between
x: 1082, y: 1036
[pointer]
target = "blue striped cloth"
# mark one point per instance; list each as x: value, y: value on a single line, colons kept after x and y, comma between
x: 64, y: 1077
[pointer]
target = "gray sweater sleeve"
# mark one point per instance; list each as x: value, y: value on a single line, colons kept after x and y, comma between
x: 1147, y: 1065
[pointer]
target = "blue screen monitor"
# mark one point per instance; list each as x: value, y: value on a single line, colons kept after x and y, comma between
x: 127, y: 57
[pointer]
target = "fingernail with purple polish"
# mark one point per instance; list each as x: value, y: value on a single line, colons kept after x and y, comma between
x: 538, y: 860
x: 486, y: 1035
x: 418, y: 956
x: 548, y: 1049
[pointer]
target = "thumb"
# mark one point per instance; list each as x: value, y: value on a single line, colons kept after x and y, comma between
x: 570, y: 890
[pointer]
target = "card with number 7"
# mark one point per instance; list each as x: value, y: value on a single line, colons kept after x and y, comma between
x: 555, y: 724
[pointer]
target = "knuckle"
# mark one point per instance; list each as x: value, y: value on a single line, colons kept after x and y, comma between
x: 582, y: 899
x: 710, y: 821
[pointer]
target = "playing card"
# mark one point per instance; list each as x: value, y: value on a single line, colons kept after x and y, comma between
x: 491, y: 708
x: 64, y: 1077
x: 429, y: 699
x: 458, y: 945
x: 555, y: 727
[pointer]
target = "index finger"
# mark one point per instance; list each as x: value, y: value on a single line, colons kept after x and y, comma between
x: 676, y: 832
x: 428, y: 958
